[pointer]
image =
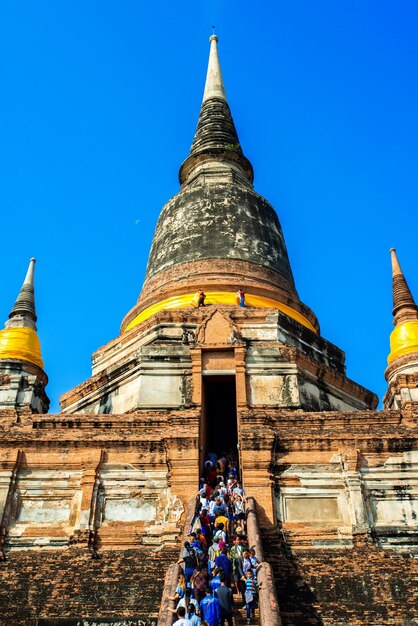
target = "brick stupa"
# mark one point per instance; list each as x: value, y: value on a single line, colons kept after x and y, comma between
x: 94, y: 501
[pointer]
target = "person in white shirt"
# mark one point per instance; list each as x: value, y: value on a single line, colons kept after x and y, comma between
x: 203, y: 499
x: 187, y: 600
x: 231, y: 483
x: 222, y: 489
x: 220, y: 534
x: 239, y: 510
x: 182, y: 621
x: 212, y: 505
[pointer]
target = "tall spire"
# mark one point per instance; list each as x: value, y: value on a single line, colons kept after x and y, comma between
x: 214, y: 87
x: 404, y: 337
x: 25, y: 302
x: 23, y: 379
x: 19, y: 340
x: 404, y: 307
x: 216, y: 135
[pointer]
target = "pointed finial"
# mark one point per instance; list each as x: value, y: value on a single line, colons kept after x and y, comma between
x: 404, y: 337
x: 214, y: 87
x: 19, y: 340
x: 404, y: 306
x: 25, y: 302
x: 215, y: 133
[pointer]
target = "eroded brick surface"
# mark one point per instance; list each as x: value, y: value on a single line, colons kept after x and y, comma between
x: 71, y: 584
x: 363, y: 585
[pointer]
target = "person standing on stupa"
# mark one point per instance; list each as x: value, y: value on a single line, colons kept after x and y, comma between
x: 241, y: 297
x: 201, y: 297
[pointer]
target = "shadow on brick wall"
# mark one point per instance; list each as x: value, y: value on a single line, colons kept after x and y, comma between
x: 298, y: 604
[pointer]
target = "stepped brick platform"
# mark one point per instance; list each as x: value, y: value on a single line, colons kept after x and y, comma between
x: 341, y: 587
x: 36, y: 587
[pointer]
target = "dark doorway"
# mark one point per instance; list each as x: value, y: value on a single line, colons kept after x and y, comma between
x: 219, y: 428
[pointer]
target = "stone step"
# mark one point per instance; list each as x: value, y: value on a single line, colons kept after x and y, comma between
x: 240, y: 617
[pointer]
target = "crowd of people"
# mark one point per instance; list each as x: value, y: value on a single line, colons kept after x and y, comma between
x: 217, y: 562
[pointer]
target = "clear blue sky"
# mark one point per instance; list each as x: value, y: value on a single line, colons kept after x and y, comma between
x: 99, y: 106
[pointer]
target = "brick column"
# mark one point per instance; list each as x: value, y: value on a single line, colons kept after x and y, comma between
x: 240, y: 377
x: 89, y: 484
x: 353, y: 484
x: 87, y: 488
x: 9, y: 509
x: 196, y: 356
x: 256, y: 465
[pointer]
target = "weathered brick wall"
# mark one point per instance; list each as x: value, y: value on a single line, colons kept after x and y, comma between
x: 272, y: 442
x: 317, y: 581
x: 364, y: 585
x: 71, y: 584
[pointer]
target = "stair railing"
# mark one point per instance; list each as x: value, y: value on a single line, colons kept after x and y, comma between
x: 166, y: 617
x: 267, y: 597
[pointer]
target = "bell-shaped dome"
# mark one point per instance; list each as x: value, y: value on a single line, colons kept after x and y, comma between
x: 217, y: 233
x: 228, y: 220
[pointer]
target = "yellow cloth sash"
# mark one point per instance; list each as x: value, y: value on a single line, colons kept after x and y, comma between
x: 403, y: 340
x: 22, y: 344
x: 218, y: 297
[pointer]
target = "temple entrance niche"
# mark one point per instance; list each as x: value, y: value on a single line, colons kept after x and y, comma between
x: 219, y: 432
x: 219, y: 383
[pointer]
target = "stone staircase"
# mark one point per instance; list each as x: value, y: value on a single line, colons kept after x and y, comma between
x: 240, y: 616
x: 296, y: 600
x: 240, y: 613
x: 164, y: 618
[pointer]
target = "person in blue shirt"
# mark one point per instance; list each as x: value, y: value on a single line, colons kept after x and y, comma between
x: 192, y: 617
x: 225, y: 563
x: 210, y: 609
x: 250, y: 593
x: 215, y: 581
